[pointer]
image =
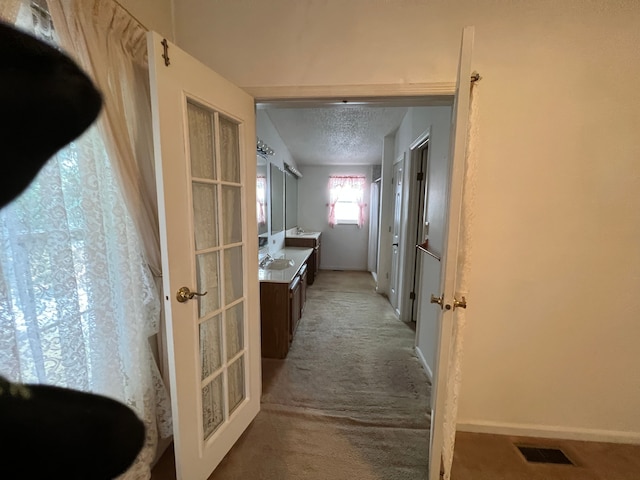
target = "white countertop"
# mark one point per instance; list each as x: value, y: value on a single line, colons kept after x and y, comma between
x: 315, y: 235
x: 299, y: 255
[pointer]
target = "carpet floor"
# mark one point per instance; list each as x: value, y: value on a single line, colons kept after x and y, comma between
x: 350, y: 401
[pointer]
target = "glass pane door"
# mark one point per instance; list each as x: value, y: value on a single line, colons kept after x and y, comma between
x: 219, y: 248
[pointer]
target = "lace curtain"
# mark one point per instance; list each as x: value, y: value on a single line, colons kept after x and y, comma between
x: 78, y: 300
x: 349, y: 188
x: 111, y: 47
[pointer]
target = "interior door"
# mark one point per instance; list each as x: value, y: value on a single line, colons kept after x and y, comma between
x: 418, y: 224
x: 448, y: 277
x: 398, y: 174
x: 204, y: 139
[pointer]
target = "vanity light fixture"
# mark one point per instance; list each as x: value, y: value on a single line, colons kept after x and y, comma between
x: 293, y: 170
x: 263, y: 148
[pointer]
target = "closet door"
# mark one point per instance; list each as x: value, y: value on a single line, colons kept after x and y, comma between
x: 204, y: 134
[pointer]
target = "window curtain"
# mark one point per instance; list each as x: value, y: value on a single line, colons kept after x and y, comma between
x: 261, y: 199
x: 79, y: 250
x: 111, y: 47
x: 337, y: 187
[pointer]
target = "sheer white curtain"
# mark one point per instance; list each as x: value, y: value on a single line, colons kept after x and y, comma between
x: 78, y: 300
x: 111, y: 47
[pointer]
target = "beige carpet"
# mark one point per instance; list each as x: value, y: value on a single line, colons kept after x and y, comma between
x: 349, y: 402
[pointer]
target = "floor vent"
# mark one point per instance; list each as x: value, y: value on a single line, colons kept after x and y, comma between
x: 544, y: 455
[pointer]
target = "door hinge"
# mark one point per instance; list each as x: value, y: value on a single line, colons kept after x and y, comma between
x: 420, y: 176
x: 165, y: 55
x: 412, y: 296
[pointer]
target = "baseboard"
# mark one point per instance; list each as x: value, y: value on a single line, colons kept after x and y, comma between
x: 424, y: 363
x: 546, y: 431
x: 342, y: 267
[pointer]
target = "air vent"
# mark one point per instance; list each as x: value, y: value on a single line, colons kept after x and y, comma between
x: 544, y: 455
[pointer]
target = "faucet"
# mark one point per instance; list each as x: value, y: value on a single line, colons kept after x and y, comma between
x: 266, y: 260
x: 299, y: 231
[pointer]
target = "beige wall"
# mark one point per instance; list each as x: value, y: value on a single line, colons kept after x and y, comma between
x: 155, y: 15
x: 554, y: 295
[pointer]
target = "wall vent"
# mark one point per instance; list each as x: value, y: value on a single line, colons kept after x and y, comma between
x: 544, y: 455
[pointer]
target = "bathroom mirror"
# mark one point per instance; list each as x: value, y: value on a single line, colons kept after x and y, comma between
x: 261, y: 195
x: 291, y: 200
x: 277, y: 199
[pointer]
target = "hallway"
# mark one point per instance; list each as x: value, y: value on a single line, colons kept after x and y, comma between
x: 349, y: 402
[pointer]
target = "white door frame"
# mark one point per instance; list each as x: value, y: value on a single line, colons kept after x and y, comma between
x: 399, y: 216
x: 413, y: 209
x: 429, y: 94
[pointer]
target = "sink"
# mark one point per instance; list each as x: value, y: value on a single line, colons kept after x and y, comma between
x: 306, y: 234
x: 280, y: 264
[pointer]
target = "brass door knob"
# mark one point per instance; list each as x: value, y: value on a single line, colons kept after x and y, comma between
x: 437, y: 300
x: 462, y: 303
x: 185, y: 294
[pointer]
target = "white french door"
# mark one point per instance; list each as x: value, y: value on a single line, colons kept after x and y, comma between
x: 449, y: 269
x: 204, y: 139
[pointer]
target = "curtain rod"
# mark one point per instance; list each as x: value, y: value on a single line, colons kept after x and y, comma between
x: 43, y: 11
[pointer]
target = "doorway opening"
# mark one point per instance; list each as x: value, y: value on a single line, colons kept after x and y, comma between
x: 415, y: 145
x: 418, y: 224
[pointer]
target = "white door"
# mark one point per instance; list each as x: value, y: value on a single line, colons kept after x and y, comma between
x: 374, y: 223
x: 204, y: 139
x: 448, y: 285
x: 394, y: 282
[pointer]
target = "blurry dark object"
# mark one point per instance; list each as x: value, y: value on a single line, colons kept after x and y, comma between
x: 52, y: 432
x: 46, y: 101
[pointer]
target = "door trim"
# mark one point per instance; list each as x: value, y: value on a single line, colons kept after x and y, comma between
x: 389, y: 95
x: 413, y: 211
x: 308, y: 96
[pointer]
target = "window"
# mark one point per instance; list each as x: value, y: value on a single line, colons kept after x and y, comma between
x: 346, y: 196
x: 78, y: 300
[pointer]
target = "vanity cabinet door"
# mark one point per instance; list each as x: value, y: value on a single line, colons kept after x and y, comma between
x: 295, y: 292
x: 275, y: 319
x: 303, y: 288
x: 316, y: 255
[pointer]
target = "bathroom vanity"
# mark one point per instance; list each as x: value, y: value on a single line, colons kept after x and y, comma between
x: 308, y: 240
x: 283, y: 283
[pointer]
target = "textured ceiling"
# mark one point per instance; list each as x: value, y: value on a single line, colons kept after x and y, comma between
x: 335, y: 135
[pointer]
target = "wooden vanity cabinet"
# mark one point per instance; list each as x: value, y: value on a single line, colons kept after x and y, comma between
x: 281, y: 306
x: 314, y: 259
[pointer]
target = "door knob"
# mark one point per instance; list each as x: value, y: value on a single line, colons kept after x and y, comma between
x: 437, y: 300
x: 462, y: 303
x: 185, y: 294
